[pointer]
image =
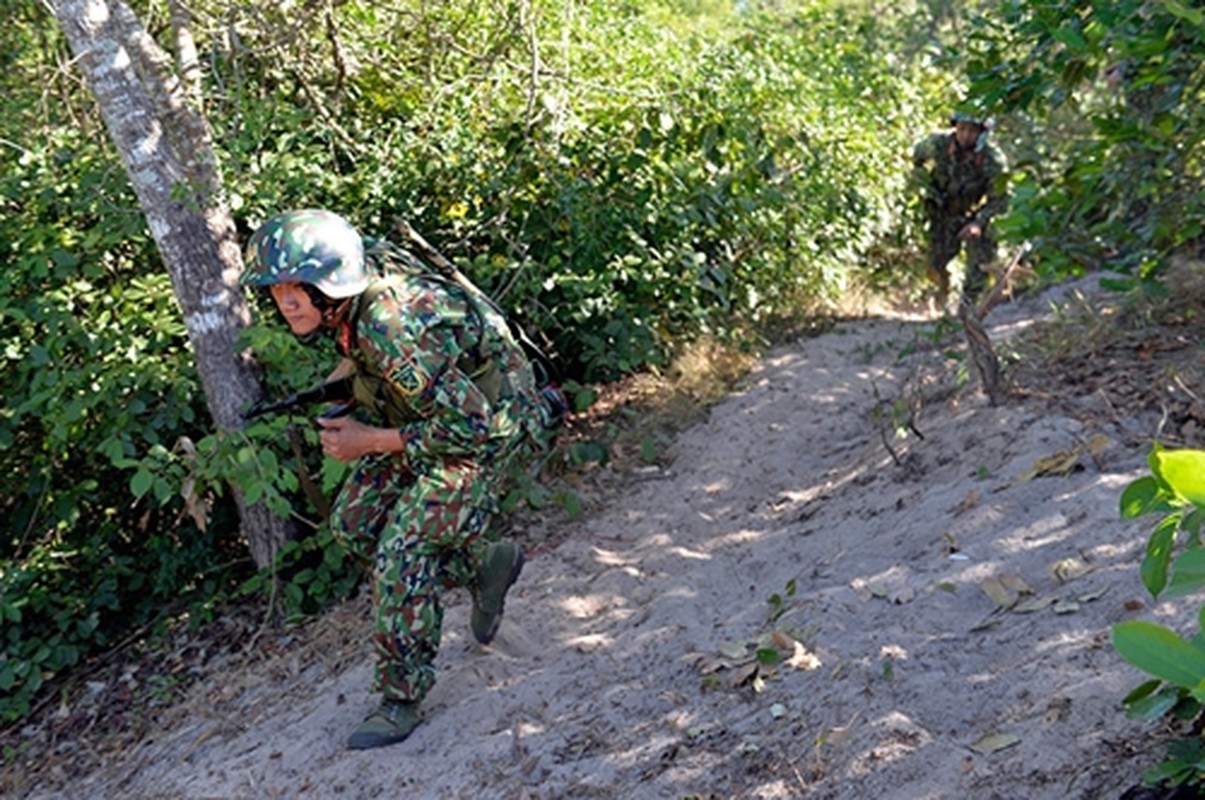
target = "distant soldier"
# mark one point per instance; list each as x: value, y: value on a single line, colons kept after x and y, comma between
x: 962, y: 176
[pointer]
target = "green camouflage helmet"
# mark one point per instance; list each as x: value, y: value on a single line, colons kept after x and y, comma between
x: 967, y: 116
x: 307, y: 246
x: 984, y: 122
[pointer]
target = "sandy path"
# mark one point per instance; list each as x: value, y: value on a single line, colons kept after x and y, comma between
x: 623, y: 669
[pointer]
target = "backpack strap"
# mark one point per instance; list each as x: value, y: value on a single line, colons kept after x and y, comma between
x: 546, y: 371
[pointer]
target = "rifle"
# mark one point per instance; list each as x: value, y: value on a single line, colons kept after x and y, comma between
x: 336, y: 391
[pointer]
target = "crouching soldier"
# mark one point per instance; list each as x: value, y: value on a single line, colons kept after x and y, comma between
x: 447, y: 407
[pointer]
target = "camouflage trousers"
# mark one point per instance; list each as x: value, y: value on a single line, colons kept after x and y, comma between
x: 416, y: 535
x: 944, y: 245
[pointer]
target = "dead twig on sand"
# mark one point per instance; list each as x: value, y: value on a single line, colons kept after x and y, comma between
x: 983, y: 355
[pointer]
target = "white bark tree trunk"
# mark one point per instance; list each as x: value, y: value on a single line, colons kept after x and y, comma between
x: 166, y: 148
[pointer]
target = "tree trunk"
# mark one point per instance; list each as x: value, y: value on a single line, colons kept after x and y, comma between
x: 166, y: 149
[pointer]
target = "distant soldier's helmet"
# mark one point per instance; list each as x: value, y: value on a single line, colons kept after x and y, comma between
x: 985, y: 123
x: 307, y: 246
x: 967, y: 116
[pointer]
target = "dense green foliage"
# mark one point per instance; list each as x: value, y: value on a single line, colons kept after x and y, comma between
x: 1108, y: 94
x: 624, y: 178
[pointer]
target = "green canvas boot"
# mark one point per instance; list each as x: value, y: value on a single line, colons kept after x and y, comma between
x: 500, y: 568
x: 389, y: 724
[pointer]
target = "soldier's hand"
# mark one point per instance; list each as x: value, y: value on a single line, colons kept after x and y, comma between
x: 970, y: 231
x: 346, y: 438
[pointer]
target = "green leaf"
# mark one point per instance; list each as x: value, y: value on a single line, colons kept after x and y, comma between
x: 1191, y: 524
x: 1160, y: 652
x: 1071, y: 38
x: 768, y: 655
x: 1154, y: 707
x: 1193, y: 16
x: 1158, y: 555
x: 12, y: 611
x: 571, y: 503
x: 141, y: 482
x: 1141, y: 691
x: 1188, y: 573
x: 1183, y: 471
x: 1138, y: 497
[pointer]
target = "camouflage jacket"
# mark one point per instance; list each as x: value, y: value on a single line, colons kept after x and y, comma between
x: 442, y: 368
x: 970, y: 185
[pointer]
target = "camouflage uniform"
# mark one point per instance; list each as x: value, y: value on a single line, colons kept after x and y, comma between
x: 440, y: 364
x: 960, y: 187
x: 445, y: 371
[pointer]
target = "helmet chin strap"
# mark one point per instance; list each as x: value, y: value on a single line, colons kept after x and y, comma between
x: 332, y: 311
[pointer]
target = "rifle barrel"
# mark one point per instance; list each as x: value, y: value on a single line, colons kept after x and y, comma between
x: 340, y: 389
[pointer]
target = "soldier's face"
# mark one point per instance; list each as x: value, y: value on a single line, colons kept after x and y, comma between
x: 966, y: 133
x: 296, y: 307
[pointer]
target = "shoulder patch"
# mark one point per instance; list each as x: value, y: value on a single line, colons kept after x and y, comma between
x: 407, y: 378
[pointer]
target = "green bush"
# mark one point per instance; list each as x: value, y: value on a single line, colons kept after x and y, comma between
x: 96, y: 371
x: 1109, y: 97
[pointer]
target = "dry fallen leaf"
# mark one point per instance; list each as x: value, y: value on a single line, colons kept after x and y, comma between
x: 1098, y: 444
x: 743, y: 675
x: 803, y: 659
x: 998, y: 593
x: 970, y: 501
x: 1058, y: 464
x: 994, y: 742
x: 1014, y: 583
x: 1068, y: 569
x: 1035, y: 604
x: 734, y: 650
x: 782, y: 641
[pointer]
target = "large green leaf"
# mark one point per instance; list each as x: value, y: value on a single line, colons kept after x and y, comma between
x: 1188, y: 574
x: 1159, y: 555
x: 1138, y: 497
x: 1160, y: 652
x: 1193, y: 16
x: 1183, y: 471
